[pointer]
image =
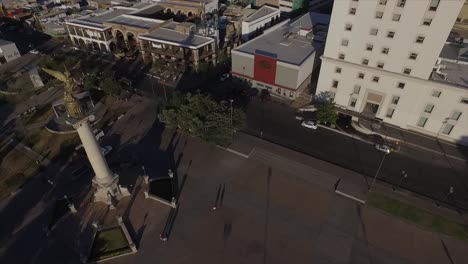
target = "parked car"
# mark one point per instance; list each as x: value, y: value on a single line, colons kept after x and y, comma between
x: 34, y: 51
x: 309, y: 124
x: 383, y: 148
x: 224, y: 77
x: 106, y: 150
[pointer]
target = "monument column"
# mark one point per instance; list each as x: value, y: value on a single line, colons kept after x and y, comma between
x: 93, y: 151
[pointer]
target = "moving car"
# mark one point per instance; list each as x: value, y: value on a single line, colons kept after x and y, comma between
x: 309, y: 124
x: 383, y: 148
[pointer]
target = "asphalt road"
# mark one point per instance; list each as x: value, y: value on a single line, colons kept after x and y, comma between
x: 429, y: 174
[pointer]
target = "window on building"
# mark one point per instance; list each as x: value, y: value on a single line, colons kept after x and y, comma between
x: 260, y: 84
x: 455, y: 115
x: 464, y: 100
x: 385, y: 50
x: 429, y: 108
x: 436, y: 93
x: 390, y: 112
x: 380, y: 65
x: 382, y: 2
x: 433, y: 5
x: 420, y: 39
x: 427, y: 21
x: 447, y: 129
x: 406, y: 70
x: 401, y: 3
x: 395, y: 99
x: 413, y: 56
x: 365, y: 62
x: 344, y: 42
x: 360, y: 75
x: 376, y: 79
x: 338, y: 69
x: 357, y: 89
x: 390, y: 34
x: 396, y: 17
x: 348, y: 27
x: 374, y: 31
x: 352, y: 11
x: 332, y: 96
x: 401, y: 85
x: 422, y: 121
x: 341, y: 56
x: 335, y: 84
x: 353, y: 101
x: 369, y: 47
x: 379, y: 15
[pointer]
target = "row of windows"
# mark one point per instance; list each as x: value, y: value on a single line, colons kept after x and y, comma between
x: 401, y: 3
x: 380, y: 65
x: 396, y: 17
x: 390, y: 34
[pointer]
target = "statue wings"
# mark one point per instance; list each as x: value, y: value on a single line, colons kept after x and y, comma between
x: 58, y: 75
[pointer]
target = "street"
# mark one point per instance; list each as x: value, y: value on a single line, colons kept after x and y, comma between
x: 429, y: 174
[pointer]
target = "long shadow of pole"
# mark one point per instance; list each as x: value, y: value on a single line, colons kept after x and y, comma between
x: 267, y: 209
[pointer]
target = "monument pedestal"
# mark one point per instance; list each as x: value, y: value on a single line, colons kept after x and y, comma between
x: 109, y: 192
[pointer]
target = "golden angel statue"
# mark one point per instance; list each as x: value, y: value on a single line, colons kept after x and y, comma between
x: 72, y: 105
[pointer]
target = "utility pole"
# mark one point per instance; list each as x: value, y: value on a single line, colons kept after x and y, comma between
x: 377, y: 173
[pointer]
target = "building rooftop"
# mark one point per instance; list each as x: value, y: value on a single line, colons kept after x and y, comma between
x: 148, y: 11
x: 142, y: 5
x: 452, y: 73
x: 134, y: 21
x: 455, y: 52
x: 168, y: 33
x: 98, y: 19
x: 262, y: 12
x: 5, y: 42
x: 294, y: 41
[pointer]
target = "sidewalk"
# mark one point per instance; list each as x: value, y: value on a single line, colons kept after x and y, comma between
x: 415, y: 139
x: 331, y: 177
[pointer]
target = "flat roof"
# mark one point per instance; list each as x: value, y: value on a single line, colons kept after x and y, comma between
x: 285, y: 44
x: 454, y: 51
x: 167, y: 33
x: 133, y: 21
x: 98, y: 19
x: 148, y: 11
x: 263, y: 11
x: 455, y: 74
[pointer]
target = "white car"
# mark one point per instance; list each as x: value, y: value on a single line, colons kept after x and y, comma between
x: 34, y: 51
x: 383, y: 148
x: 106, y: 150
x: 309, y: 124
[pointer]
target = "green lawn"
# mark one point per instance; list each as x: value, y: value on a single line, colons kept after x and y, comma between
x: 108, y: 243
x: 418, y: 216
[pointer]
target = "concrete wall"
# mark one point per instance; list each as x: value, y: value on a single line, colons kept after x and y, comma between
x: 9, y: 51
x: 250, y: 27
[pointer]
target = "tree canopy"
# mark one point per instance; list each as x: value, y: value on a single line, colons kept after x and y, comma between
x: 326, y: 112
x: 201, y: 116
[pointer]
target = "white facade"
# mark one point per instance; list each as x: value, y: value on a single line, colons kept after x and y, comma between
x: 259, y: 21
x: 8, y: 51
x: 378, y: 59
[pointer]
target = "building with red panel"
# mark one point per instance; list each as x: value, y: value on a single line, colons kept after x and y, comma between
x: 283, y: 58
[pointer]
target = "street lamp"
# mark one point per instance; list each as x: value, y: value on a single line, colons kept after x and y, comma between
x: 378, y: 170
x: 231, y: 101
x: 404, y: 175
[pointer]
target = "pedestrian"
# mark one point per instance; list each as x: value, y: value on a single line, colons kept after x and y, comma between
x: 163, y: 237
x: 217, y: 197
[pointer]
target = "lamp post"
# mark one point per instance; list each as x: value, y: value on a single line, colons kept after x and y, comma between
x: 404, y: 175
x: 232, y: 131
x: 377, y: 173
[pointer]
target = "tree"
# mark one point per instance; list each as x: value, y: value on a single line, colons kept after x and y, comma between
x: 326, y: 112
x: 201, y: 116
x: 90, y: 81
x: 111, y: 86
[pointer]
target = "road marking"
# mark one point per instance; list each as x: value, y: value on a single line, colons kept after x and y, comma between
x: 235, y: 152
x: 350, y: 197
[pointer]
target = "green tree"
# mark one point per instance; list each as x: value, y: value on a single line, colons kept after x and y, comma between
x: 201, y: 116
x: 111, y: 86
x: 326, y: 112
x: 90, y: 82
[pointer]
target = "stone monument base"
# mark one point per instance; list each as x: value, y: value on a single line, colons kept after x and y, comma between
x: 110, y: 192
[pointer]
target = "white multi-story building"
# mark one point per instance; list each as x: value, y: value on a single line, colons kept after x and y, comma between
x: 378, y: 61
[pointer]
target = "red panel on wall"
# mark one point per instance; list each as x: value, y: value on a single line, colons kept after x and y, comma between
x: 264, y: 69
